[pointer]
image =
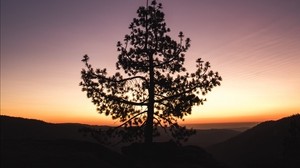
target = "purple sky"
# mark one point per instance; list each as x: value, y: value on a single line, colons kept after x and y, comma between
x: 254, y: 44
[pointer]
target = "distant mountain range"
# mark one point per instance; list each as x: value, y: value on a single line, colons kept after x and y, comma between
x: 237, y: 126
x: 34, y: 143
x: 21, y: 128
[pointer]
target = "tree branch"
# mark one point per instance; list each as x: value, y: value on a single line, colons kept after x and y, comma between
x: 176, y: 95
x: 123, y: 80
x: 130, y: 119
x: 120, y: 100
x: 160, y: 124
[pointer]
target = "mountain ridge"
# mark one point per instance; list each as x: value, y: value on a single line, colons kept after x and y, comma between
x: 268, y: 144
x: 264, y: 144
x: 35, y: 129
x: 33, y: 143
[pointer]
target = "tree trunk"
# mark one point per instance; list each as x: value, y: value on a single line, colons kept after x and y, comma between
x: 148, y: 132
x: 149, y: 123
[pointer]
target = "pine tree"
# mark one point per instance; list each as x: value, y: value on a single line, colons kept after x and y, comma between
x: 151, y: 87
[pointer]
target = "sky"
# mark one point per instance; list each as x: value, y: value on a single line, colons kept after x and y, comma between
x: 254, y: 45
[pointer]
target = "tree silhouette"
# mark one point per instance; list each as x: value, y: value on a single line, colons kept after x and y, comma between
x: 151, y: 87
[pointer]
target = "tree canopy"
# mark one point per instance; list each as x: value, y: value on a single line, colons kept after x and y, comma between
x: 151, y: 88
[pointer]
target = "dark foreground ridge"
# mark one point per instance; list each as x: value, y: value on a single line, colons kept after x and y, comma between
x: 58, y: 153
x: 169, y: 154
x: 35, y: 144
x: 273, y: 144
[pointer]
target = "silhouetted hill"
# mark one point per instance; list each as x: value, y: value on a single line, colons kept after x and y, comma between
x: 269, y: 144
x: 169, y: 154
x: 21, y: 128
x: 57, y: 154
x: 34, y: 143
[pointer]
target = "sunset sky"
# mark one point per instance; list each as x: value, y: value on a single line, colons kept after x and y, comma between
x: 253, y: 44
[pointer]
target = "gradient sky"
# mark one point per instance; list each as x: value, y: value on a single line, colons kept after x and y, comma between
x: 253, y: 44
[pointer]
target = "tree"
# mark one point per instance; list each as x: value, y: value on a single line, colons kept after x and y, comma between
x: 151, y: 87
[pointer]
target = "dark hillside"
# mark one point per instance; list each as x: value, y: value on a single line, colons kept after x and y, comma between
x: 20, y: 128
x: 58, y: 153
x: 35, y: 144
x: 271, y: 143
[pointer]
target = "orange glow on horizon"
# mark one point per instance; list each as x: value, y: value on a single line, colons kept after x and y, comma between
x: 97, y: 119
